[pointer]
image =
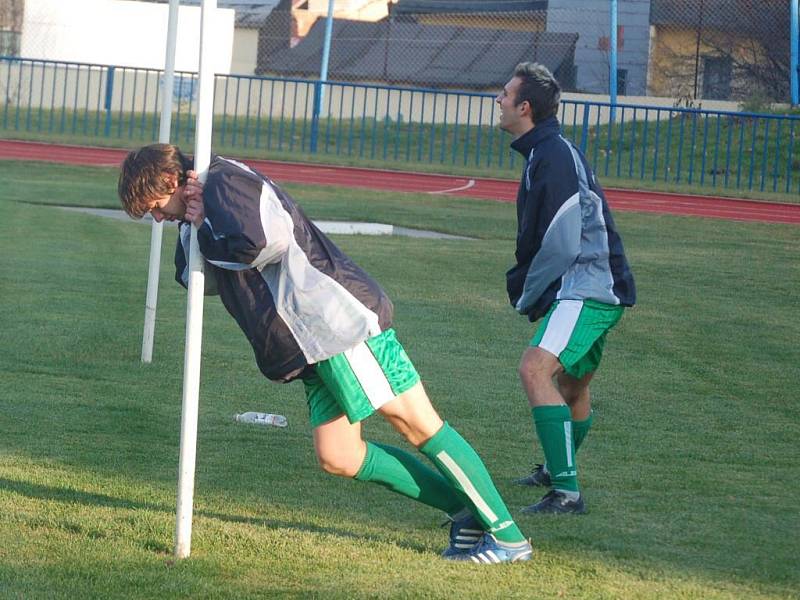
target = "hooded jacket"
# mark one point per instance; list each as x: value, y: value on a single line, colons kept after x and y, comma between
x: 295, y: 295
x: 567, y: 247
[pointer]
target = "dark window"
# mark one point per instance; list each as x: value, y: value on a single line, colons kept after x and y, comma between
x: 622, y: 82
x: 717, y: 77
x: 9, y: 43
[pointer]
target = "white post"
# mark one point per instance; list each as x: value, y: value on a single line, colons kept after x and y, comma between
x: 194, y: 307
x: 157, y: 230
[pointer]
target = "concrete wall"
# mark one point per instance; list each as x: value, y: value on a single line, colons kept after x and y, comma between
x: 591, y: 20
x: 245, y: 51
x: 120, y: 32
x: 672, y: 62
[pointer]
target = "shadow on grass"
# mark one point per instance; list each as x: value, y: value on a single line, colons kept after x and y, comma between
x: 72, y: 496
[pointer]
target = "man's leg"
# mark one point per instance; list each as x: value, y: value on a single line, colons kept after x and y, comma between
x: 552, y: 418
x: 576, y: 394
x: 570, y: 339
x: 342, y: 451
x: 413, y: 416
x: 378, y: 376
x: 578, y: 397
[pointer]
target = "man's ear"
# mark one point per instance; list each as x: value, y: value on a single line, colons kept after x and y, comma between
x: 526, y: 110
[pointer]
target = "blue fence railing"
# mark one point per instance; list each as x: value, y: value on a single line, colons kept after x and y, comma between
x: 394, y: 126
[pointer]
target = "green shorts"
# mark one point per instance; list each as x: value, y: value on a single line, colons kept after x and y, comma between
x: 359, y: 381
x: 575, y: 331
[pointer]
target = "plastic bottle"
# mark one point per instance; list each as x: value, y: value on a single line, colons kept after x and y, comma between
x: 259, y: 418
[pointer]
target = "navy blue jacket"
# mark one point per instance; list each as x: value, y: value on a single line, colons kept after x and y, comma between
x: 295, y: 295
x: 568, y: 247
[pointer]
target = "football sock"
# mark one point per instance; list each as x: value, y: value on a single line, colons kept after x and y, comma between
x: 554, y: 428
x: 580, y: 429
x: 405, y: 474
x: 464, y: 469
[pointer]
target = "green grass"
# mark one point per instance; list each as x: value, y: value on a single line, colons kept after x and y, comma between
x: 675, y: 154
x: 690, y: 472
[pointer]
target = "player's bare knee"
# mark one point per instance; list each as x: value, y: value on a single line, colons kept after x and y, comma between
x: 413, y: 416
x: 411, y: 429
x: 570, y: 393
x: 532, y: 369
x: 339, y: 465
x: 574, y: 391
x: 340, y: 461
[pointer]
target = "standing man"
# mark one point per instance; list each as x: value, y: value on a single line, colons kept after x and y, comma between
x: 570, y: 271
x: 311, y: 313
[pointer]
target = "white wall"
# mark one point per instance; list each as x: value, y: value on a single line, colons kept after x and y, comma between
x: 245, y: 51
x: 120, y: 32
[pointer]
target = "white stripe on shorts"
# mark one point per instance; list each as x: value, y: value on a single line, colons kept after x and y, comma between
x: 370, y: 375
x: 560, y: 326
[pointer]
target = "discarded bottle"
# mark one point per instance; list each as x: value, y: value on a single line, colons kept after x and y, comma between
x: 259, y: 418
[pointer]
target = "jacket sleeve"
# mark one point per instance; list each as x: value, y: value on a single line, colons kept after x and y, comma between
x: 554, y: 188
x: 245, y: 226
x: 182, y: 262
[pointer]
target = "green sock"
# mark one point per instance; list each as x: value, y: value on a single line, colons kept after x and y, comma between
x: 405, y: 474
x: 464, y: 469
x: 580, y: 429
x: 554, y: 427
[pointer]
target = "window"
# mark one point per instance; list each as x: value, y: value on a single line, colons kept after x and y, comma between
x: 9, y: 43
x: 717, y: 77
x: 622, y: 82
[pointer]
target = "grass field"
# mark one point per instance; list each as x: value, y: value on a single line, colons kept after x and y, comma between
x: 690, y: 472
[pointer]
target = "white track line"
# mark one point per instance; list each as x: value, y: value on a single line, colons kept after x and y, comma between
x: 469, y: 184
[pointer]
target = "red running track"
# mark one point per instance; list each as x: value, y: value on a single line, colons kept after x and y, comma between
x: 487, y: 189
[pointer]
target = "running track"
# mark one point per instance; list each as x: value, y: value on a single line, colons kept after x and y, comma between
x: 487, y: 189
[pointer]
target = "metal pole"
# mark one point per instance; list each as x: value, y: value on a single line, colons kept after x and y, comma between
x: 612, y: 68
x: 319, y: 89
x: 326, y: 50
x: 794, y: 52
x: 157, y: 231
x: 194, y: 306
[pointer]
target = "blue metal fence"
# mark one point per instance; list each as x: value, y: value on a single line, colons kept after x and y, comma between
x: 394, y: 126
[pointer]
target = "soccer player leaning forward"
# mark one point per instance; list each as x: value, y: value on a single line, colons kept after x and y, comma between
x: 570, y: 271
x: 312, y: 314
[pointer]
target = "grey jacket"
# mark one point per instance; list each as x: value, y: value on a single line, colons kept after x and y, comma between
x: 568, y: 247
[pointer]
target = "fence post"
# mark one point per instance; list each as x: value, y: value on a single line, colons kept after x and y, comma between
x: 315, y: 116
x: 109, y: 96
x: 794, y: 52
x: 584, y: 127
x: 612, y: 67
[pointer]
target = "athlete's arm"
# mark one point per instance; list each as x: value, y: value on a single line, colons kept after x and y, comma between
x: 555, y: 190
x: 241, y: 223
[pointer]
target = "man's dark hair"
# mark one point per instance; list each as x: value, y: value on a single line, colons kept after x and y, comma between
x: 141, y: 176
x: 539, y: 88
